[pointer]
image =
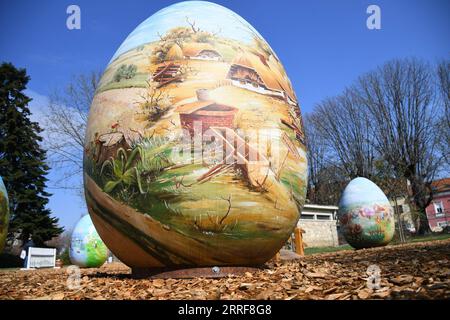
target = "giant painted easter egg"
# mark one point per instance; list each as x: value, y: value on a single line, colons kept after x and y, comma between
x: 4, y: 215
x: 365, y: 215
x: 86, y: 247
x: 195, y: 151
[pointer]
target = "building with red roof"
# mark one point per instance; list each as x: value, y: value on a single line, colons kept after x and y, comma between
x: 438, y: 211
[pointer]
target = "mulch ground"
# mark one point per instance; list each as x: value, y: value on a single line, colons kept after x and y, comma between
x: 410, y: 271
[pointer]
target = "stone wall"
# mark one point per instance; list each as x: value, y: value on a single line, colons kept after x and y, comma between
x: 319, y: 233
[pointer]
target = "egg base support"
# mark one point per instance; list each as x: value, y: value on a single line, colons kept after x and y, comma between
x: 187, y: 273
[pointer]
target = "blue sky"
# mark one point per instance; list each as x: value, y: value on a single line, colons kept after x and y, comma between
x: 324, y: 45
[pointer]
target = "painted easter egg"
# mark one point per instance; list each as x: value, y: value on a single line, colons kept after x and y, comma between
x: 365, y: 215
x: 4, y: 215
x: 195, y: 150
x: 86, y: 247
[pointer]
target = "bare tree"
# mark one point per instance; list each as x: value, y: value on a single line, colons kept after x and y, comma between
x: 400, y: 98
x: 192, y: 24
x: 61, y: 242
x: 443, y: 75
x: 65, y: 121
x: 154, y: 103
x: 395, y: 188
x: 443, y: 72
x: 316, y: 158
x: 325, y: 182
x: 346, y: 133
x: 328, y: 189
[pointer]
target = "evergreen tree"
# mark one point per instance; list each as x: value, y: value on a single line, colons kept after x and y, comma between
x: 22, y: 161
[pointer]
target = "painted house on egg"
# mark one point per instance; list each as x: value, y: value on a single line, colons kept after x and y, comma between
x: 207, y: 113
x: 251, y: 72
x: 200, y: 51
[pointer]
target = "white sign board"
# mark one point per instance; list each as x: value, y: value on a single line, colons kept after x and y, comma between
x: 41, y: 258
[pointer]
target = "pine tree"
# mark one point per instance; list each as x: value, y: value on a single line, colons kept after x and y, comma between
x: 23, y: 162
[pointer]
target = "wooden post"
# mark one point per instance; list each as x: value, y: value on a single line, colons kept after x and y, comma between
x: 278, y: 257
x: 298, y: 240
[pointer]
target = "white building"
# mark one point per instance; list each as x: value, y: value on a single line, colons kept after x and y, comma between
x: 319, y: 223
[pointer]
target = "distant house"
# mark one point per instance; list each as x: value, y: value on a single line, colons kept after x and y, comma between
x: 218, y: 120
x: 402, y: 211
x: 438, y: 211
x: 200, y: 51
x: 251, y: 72
x: 107, y: 144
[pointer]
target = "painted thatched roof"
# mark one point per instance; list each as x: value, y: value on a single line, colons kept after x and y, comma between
x: 174, y: 53
x: 194, y: 106
x: 270, y: 76
x: 193, y: 49
x: 113, y: 138
x: 276, y: 67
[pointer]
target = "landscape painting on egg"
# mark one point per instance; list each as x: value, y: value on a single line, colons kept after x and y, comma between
x: 365, y: 215
x: 368, y: 226
x: 86, y: 247
x: 195, y: 74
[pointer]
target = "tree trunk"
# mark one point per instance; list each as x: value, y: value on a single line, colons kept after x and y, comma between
x: 424, y: 226
x: 421, y: 197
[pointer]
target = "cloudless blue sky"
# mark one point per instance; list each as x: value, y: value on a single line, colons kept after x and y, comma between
x: 324, y: 45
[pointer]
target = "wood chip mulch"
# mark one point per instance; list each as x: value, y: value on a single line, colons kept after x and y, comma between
x: 409, y: 271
